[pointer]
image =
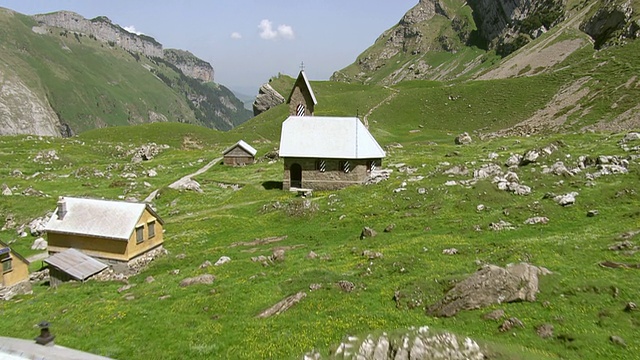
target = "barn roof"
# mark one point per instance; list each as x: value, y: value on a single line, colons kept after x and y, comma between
x: 75, y: 263
x: 99, y: 218
x: 328, y: 137
x: 302, y: 77
x: 246, y: 147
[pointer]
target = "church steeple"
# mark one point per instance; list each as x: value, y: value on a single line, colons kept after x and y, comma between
x: 302, y: 100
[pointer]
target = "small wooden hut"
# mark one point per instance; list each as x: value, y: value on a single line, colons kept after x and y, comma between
x: 239, y: 154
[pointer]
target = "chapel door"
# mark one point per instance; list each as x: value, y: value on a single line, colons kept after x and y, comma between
x: 296, y: 175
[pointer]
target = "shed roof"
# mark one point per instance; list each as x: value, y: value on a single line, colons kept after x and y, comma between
x: 248, y: 148
x: 75, y: 263
x: 99, y: 218
x: 328, y: 137
x: 302, y: 77
x: 4, y: 248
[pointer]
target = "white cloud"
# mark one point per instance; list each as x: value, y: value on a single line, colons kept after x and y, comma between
x: 132, y: 29
x: 236, y: 35
x: 268, y: 33
x: 286, y: 31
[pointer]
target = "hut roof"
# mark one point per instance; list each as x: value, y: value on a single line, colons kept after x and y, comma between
x: 4, y: 248
x: 99, y: 218
x: 75, y: 263
x: 328, y: 137
x: 246, y: 147
x: 302, y: 78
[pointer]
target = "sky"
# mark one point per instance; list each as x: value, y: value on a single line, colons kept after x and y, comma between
x: 248, y: 41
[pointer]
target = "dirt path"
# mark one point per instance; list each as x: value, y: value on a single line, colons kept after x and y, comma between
x: 388, y: 98
x: 176, y: 184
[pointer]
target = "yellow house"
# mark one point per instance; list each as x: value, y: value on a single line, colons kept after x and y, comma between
x: 15, y: 268
x: 116, y: 231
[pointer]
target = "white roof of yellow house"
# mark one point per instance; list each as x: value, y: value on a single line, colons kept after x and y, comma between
x: 242, y: 144
x: 98, y: 218
x: 328, y: 137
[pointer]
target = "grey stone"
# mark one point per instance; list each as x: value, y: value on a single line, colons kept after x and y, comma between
x: 463, y: 139
x: 223, y: 260
x: 510, y: 323
x: 267, y: 98
x: 206, y: 279
x: 367, y: 232
x: 39, y: 244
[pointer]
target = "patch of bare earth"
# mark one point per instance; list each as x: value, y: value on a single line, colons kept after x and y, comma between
x: 554, y: 114
x: 534, y: 60
x: 629, y: 119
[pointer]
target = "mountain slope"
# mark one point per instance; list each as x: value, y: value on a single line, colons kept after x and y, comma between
x: 69, y: 81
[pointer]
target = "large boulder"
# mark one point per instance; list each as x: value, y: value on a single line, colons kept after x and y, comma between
x: 267, y: 98
x: 490, y: 285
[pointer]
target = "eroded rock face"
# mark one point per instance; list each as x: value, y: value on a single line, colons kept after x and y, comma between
x: 190, y: 65
x: 267, y: 98
x: 490, y: 285
x: 611, y: 21
x: 420, y: 343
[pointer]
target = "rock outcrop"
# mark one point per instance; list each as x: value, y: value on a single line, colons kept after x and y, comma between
x: 490, y: 285
x: 611, y: 23
x: 267, y: 98
x: 104, y: 30
x: 190, y: 65
x: 23, y: 111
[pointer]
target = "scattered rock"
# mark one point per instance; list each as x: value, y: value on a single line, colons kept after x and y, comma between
x: 282, y: 305
x: 346, y: 286
x: 312, y: 255
x: 592, y: 213
x: 566, y: 199
x: 39, y: 244
x: 531, y: 156
x: 371, y: 254
x: 451, y: 251
x: 205, y: 264
x: 147, y: 152
x: 222, y: 260
x: 631, y: 306
x: 126, y: 287
x: 314, y: 287
x: 537, y: 220
x: 545, y: 331
x: 494, y: 315
x: 623, y: 246
x: 481, y: 207
x: 513, y: 160
x: 617, y: 340
x: 490, y: 285
x: 149, y: 279
x: 510, y: 323
x: 181, y: 256
x: 457, y: 171
x: 206, y: 279
x: 367, y: 232
x: 415, y: 344
x: 487, y: 171
x: 174, y: 272
x: 389, y: 228
x: 164, y: 297
x: 463, y: 139
x: 277, y: 256
x: 267, y: 98
x: 501, y: 225
x: 6, y: 191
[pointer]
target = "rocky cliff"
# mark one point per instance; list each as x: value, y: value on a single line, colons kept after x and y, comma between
x: 23, y: 111
x: 440, y: 40
x: 190, y: 65
x: 104, y: 30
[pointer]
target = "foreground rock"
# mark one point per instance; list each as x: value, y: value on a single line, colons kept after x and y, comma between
x: 490, y: 285
x: 267, y: 98
x: 283, y: 305
x: 414, y: 344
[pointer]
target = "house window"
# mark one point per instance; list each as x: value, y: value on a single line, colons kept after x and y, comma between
x: 321, y: 165
x: 151, y: 226
x: 139, y: 234
x: 6, y: 264
x: 345, y: 166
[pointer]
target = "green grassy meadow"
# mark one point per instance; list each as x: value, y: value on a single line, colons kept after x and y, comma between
x: 219, y: 321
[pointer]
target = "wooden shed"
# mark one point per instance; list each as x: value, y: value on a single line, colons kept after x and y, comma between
x: 72, y: 264
x: 239, y: 154
x: 113, y: 231
x: 15, y: 268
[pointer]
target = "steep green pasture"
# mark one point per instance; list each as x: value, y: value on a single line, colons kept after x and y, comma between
x: 583, y: 301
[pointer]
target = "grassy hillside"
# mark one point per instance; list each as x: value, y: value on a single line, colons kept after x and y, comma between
x: 91, y: 84
x: 584, y: 302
